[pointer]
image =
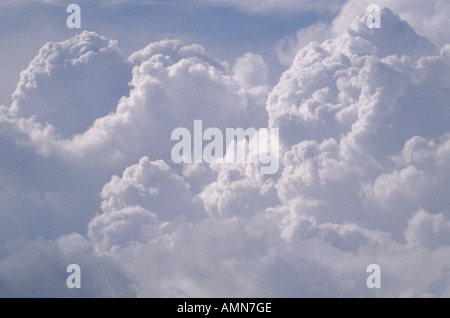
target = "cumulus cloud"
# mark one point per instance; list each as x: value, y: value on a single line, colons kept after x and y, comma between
x: 363, y: 121
x: 428, y: 230
x: 241, y: 248
x: 172, y: 85
x: 69, y: 84
x: 238, y: 188
x: 347, y: 108
x: 428, y: 20
x: 138, y: 201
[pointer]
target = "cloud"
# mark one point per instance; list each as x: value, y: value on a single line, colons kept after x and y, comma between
x: 61, y: 85
x: 39, y: 268
x: 240, y: 251
x: 343, y: 82
x: 138, y: 201
x: 428, y: 230
x: 251, y: 71
x: 172, y: 85
x: 363, y: 121
x: 288, y: 47
x: 238, y: 188
x: 417, y: 180
x: 427, y: 20
x: 349, y: 112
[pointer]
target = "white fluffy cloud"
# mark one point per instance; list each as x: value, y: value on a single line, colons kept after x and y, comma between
x: 72, y: 83
x: 428, y: 19
x: 239, y: 189
x: 428, y: 230
x: 241, y: 248
x: 137, y: 202
x: 171, y: 86
x: 349, y: 111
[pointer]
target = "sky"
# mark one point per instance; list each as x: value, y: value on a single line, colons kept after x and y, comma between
x: 86, y: 134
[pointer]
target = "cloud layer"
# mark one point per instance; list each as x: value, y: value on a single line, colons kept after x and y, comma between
x: 365, y: 150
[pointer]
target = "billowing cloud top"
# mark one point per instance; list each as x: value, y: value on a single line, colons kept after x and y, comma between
x: 67, y: 85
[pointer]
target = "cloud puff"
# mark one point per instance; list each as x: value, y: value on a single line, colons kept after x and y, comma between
x: 427, y: 20
x: 238, y: 189
x: 251, y: 71
x: 347, y: 72
x: 242, y: 248
x: 69, y: 84
x: 172, y: 85
x: 428, y: 230
x: 418, y: 180
x: 346, y: 109
x: 148, y: 193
